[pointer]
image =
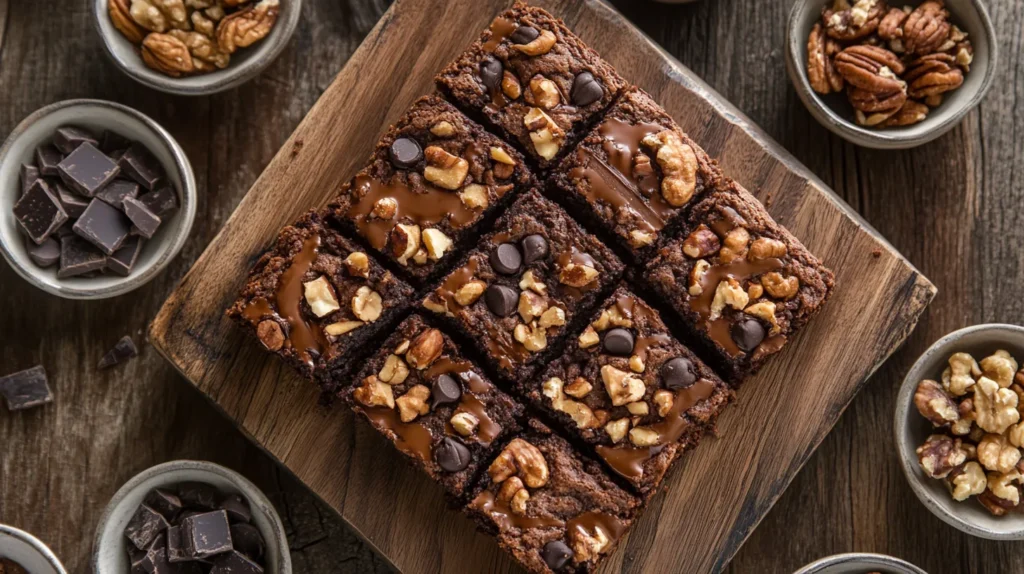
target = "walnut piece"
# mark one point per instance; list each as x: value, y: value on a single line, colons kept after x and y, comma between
x: 545, y: 134
x: 247, y: 26
x: 678, y: 166
x: 394, y: 371
x: 622, y: 387
x: 413, y: 403
x: 995, y: 408
x: 167, y: 54
x: 729, y: 293
x: 319, y: 293
x: 405, y: 242
x: 960, y: 375
x: 664, y: 400
x: 767, y: 248
x: 588, y: 545
x: 545, y: 93
x: 121, y: 18
x: 589, y: 338
x: 552, y: 317
x: 697, y: 277
x: 577, y: 275
x: 701, y: 243
x: 357, y: 264
x: 203, y: 49
x: 145, y: 14
x: 965, y: 421
x: 470, y: 292
x: 342, y: 327
x: 444, y: 169
x: 367, y: 304
x: 734, y: 245
x: 531, y: 305
x: 425, y: 349
x: 520, y: 459
x: 996, y: 453
x: 765, y: 310
x: 510, y: 85
x: 374, y: 393
x: 580, y: 413
x: 464, y: 423
x: 579, y: 388
x: 934, y: 404
x: 1000, y: 367
x: 1001, y: 485
x: 969, y: 482
x: 270, y: 334
x: 436, y: 243
x: 475, y: 196
x: 780, y: 287
x: 542, y: 44
x: 529, y: 281
x: 501, y: 156
x: 939, y: 455
x: 644, y: 436
x: 533, y: 337
x: 617, y: 429
x: 443, y: 129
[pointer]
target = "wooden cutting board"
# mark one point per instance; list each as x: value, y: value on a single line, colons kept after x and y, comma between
x: 720, y: 492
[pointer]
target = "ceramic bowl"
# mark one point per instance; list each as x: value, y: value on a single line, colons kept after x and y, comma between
x: 835, y: 113
x: 95, y: 115
x: 860, y: 563
x: 109, y: 548
x: 911, y: 430
x: 246, y: 63
x: 28, y: 551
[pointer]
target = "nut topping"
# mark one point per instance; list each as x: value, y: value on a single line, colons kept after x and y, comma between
x: 510, y: 85
x: 701, y: 243
x: 545, y: 93
x: 413, y: 404
x: 501, y: 156
x: 270, y: 334
x: 464, y: 423
x: 729, y: 293
x: 394, y: 371
x: 545, y: 134
x: 425, y: 349
x: 780, y: 287
x: 342, y: 327
x: 735, y: 245
x: 664, y: 400
x: 678, y: 165
x: 521, y: 459
x: 589, y: 338
x: 530, y: 282
x: 385, y: 208
x: 622, y: 387
x: 576, y: 275
x: 405, y: 242
x: 436, y: 243
x: 579, y: 412
x: 552, y: 317
x: 357, y: 264
x: 470, y: 292
x: 474, y: 196
x: 367, y: 304
x: 617, y: 429
x: 644, y: 436
x: 374, y: 393
x: 320, y: 295
x: 542, y: 44
x: 443, y: 129
x: 444, y: 169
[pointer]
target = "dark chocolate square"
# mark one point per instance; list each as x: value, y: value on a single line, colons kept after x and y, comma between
x: 117, y: 191
x: 139, y: 164
x: 68, y: 138
x: 47, y: 160
x: 112, y: 142
x: 74, y: 205
x: 205, y: 535
x: 103, y: 226
x: 39, y: 212
x: 247, y: 539
x: 197, y: 496
x: 29, y: 175
x: 26, y: 389
x: 145, y: 221
x: 145, y: 526
x: 161, y: 201
x: 235, y: 562
x: 123, y: 260
x: 45, y: 254
x: 87, y: 170
x: 78, y: 257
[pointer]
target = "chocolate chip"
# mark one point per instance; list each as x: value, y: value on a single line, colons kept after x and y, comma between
x: 618, y: 342
x: 506, y: 259
x: 524, y: 35
x: 747, y: 333
x: 678, y: 373
x: 556, y: 554
x: 491, y: 73
x: 26, y: 389
x: 46, y: 254
x: 452, y: 455
x: 501, y: 300
x: 445, y: 391
x: 405, y: 153
x: 586, y: 90
x: 535, y: 248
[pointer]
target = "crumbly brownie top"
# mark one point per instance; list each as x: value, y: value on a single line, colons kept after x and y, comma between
x: 534, y: 79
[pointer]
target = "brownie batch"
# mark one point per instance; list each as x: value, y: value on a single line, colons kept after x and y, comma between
x: 547, y: 398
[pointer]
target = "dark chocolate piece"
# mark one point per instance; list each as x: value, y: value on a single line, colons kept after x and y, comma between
x: 160, y: 201
x: 748, y: 334
x: 139, y: 164
x: 175, y: 548
x: 197, y: 496
x: 585, y: 90
x: 68, y: 138
x: 78, y: 257
x: 678, y: 373
x: 39, y: 212
x: 535, y: 248
x: 145, y: 221
x: 501, y: 300
x: 29, y: 175
x: 405, y: 153
x: 87, y: 170
x: 506, y: 259
x: 163, y: 501
x: 524, y: 35
x: 556, y: 554
x: 234, y: 562
x: 205, y: 535
x: 445, y: 391
x: 619, y: 342
x: 103, y: 226
x: 46, y: 254
x: 47, y: 160
x: 74, y: 205
x: 113, y: 141
x: 248, y: 540
x: 237, y: 508
x: 117, y: 191
x: 145, y: 526
x: 26, y: 389
x: 125, y: 349
x: 452, y: 455
x: 123, y: 260
x: 491, y: 72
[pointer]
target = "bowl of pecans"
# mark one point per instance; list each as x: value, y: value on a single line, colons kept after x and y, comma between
x: 890, y: 76
x: 195, y: 47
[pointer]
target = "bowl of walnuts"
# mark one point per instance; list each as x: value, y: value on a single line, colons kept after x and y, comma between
x: 195, y: 47
x: 960, y: 431
x: 890, y: 76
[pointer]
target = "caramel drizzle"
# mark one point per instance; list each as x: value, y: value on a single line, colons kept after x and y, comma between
x: 589, y: 522
x: 412, y: 439
x: 501, y: 514
x: 628, y: 460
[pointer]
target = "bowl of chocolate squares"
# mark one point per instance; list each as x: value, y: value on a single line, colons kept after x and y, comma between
x: 95, y: 199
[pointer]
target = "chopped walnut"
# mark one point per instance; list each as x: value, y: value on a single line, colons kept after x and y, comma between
x: 367, y: 305
x: 405, y: 242
x: 587, y: 545
x: 576, y: 275
x: 385, y: 208
x: 638, y: 408
x: 765, y: 310
x: 996, y: 453
x: 644, y: 436
x: 701, y: 243
x: 580, y: 413
x: 425, y: 349
x: 475, y: 196
x: 678, y: 166
x: 320, y: 296
x: 444, y: 169
x: 995, y: 408
x: 394, y: 371
x: 664, y: 401
x: 531, y: 305
x: 374, y: 393
x: 622, y: 387
x: 639, y: 238
x: 636, y: 364
x: 542, y: 44
x: 735, y: 245
x: 521, y: 459
x: 1000, y: 367
x: 510, y: 85
x: 533, y: 337
x: 579, y: 388
x: 617, y: 429
x: 970, y: 482
x: 552, y: 317
x: 470, y: 292
x: 342, y: 327
x: 939, y: 455
x: 545, y: 93
x: 729, y: 293
x: 436, y: 243
x: 697, y: 277
x: 546, y: 135
x: 589, y: 338
x: 934, y: 404
x: 960, y: 375
x: 501, y: 156
x: 413, y: 403
x: 270, y: 334
x: 464, y: 423
x: 766, y: 248
x: 443, y: 129
x: 530, y: 282
x: 357, y: 264
x: 1001, y: 485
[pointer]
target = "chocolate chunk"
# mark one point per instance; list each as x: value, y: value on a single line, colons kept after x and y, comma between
x: 145, y: 221
x: 234, y: 562
x: 445, y: 391
x: 140, y: 165
x: 491, y: 73
x: 113, y: 141
x: 452, y: 455
x: 524, y: 35
x: 678, y: 373
x: 123, y: 260
x: 74, y: 205
x: 39, y: 212
x: 87, y: 170
x: 68, y: 138
x: 145, y: 525
x: 747, y: 333
x: 26, y: 389
x: 237, y: 508
x: 248, y: 540
x: 618, y: 342
x: 47, y: 160
x: 175, y: 548
x: 207, y: 534
x: 117, y: 191
x: 29, y: 175
x: 501, y: 300
x: 585, y: 89
x: 160, y: 201
x: 556, y: 554
x: 78, y: 257
x: 46, y: 254
x: 405, y: 153
x: 535, y: 248
x: 163, y: 501
x: 506, y: 259
x: 197, y: 496
x: 103, y: 226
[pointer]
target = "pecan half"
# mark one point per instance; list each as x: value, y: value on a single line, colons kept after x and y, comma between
x: 872, y: 102
x: 871, y: 68
x: 821, y: 70
x: 855, y: 22
x: 166, y: 54
x: 247, y: 26
x: 932, y: 75
x: 891, y: 26
x: 911, y: 113
x: 926, y: 28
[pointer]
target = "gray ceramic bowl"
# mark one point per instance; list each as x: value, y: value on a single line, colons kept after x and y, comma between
x: 836, y: 114
x: 28, y: 551
x: 860, y: 563
x: 96, y: 115
x: 246, y: 63
x: 911, y: 430
x: 109, y: 548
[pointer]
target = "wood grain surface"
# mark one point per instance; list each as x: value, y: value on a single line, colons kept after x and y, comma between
x: 342, y: 462
x: 952, y: 206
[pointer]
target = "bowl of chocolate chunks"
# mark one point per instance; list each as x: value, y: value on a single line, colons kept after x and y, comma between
x: 95, y: 199
x: 190, y: 517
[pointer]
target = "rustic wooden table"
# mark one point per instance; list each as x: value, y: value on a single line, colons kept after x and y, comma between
x: 953, y: 207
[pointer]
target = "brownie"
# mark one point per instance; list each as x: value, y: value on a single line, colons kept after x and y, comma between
x: 518, y: 292
x: 626, y: 387
x: 742, y: 284
x: 635, y: 173
x: 533, y: 80
x: 437, y: 407
x: 432, y: 179
x: 315, y: 298
x: 551, y: 508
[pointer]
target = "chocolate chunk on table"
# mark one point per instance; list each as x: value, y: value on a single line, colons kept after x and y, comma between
x: 160, y: 201
x: 248, y: 540
x: 46, y: 254
x: 123, y: 260
x: 197, y: 496
x: 145, y: 526
x: 139, y: 164
x: 237, y: 508
x: 145, y: 221
x: 117, y: 191
x: 39, y: 212
x: 26, y: 389
x: 205, y: 535
x: 29, y: 175
x: 103, y: 226
x: 78, y: 256
x: 111, y: 142
x: 125, y: 349
x: 47, y: 160
x: 87, y: 170
x: 74, y: 204
x: 68, y: 138
x: 234, y: 562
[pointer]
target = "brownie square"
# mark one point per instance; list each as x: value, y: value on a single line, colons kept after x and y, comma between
x: 551, y: 508
x: 635, y: 173
x: 433, y: 178
x: 315, y: 298
x: 533, y: 80
x: 740, y: 282
x: 518, y: 292
x: 434, y: 405
x: 626, y: 387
